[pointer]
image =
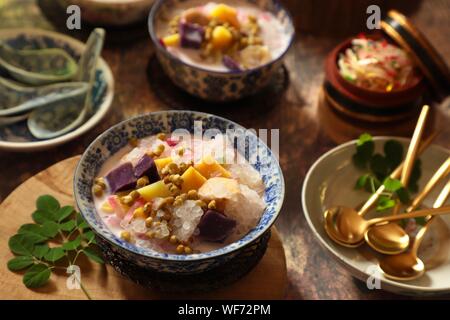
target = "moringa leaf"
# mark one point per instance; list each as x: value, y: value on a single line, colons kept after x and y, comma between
x: 89, y: 236
x: 64, y: 212
x: 40, y: 251
x: 392, y: 185
x: 72, y: 245
x: 19, y: 263
x: 385, y: 203
x: 68, y: 226
x: 362, y: 181
x: 41, y: 217
x: 37, y: 276
x: 33, y: 233
x: 50, y: 229
x: 47, y: 203
x: 21, y: 245
x: 54, y: 254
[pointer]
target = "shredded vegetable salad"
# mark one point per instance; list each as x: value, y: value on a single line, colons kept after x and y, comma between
x: 376, y: 65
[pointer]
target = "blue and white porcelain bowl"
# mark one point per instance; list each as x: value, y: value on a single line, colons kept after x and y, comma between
x: 212, y: 85
x: 142, y: 126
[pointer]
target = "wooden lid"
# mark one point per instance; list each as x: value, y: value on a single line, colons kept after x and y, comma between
x: 403, y: 32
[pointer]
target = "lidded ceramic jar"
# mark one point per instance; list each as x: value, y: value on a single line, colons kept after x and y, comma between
x: 430, y: 80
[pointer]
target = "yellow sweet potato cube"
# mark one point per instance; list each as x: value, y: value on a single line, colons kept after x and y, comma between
x: 192, y: 180
x: 172, y: 40
x: 155, y: 190
x: 221, y: 38
x: 161, y: 163
x: 225, y: 13
x: 210, y: 168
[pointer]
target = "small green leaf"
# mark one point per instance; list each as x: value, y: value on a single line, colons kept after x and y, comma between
x: 392, y: 185
x: 40, y: 251
x: 33, y: 232
x: 47, y: 203
x: 20, y: 244
x: 36, y: 276
x: 19, y: 263
x: 89, y: 236
x: 68, y: 226
x: 54, y: 254
x: 394, y: 153
x: 83, y: 225
x: 93, y: 255
x: 385, y: 203
x: 403, y: 195
x: 72, y: 245
x: 42, y: 216
x: 64, y: 213
x: 362, y: 181
x: 50, y: 229
x: 364, y: 138
x: 379, y: 166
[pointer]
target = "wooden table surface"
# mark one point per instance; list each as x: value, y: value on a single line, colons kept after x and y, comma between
x: 291, y: 106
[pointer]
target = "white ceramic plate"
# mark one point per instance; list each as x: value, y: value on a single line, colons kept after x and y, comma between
x: 330, y: 181
x: 17, y: 137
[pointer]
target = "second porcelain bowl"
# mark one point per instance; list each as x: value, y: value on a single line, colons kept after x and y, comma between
x: 213, y: 85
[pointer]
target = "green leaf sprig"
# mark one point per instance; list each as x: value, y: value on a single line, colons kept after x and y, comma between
x: 55, y: 241
x: 378, y: 168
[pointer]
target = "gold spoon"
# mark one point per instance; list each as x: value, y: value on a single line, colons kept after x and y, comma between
x: 351, y: 230
x: 379, y: 237
x: 330, y: 214
x: 408, y: 266
x: 391, y: 238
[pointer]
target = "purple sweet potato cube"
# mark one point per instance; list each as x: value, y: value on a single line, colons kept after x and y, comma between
x: 230, y: 63
x: 121, y: 178
x: 215, y: 226
x: 146, y: 167
x: 191, y: 35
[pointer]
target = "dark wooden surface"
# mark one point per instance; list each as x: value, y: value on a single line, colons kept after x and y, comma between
x: 291, y: 105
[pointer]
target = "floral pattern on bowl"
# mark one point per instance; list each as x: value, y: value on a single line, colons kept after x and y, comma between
x: 118, y: 136
x: 219, y: 86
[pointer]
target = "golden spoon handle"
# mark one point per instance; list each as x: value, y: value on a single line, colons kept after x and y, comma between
x: 440, y: 200
x: 415, y: 214
x: 412, y: 151
x: 394, y: 175
x: 440, y: 174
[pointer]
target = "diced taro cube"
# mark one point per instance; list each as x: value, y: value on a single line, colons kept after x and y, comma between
x: 191, y: 35
x: 146, y: 167
x: 215, y: 226
x: 121, y: 178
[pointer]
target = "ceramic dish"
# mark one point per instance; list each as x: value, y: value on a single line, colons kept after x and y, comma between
x: 111, y: 141
x: 219, y: 86
x: 330, y: 182
x: 111, y: 12
x: 17, y: 137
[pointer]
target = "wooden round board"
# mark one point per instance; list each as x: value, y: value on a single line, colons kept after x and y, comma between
x: 267, y: 280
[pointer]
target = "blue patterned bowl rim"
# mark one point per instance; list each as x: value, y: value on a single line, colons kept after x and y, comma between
x: 160, y: 47
x: 253, y: 234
